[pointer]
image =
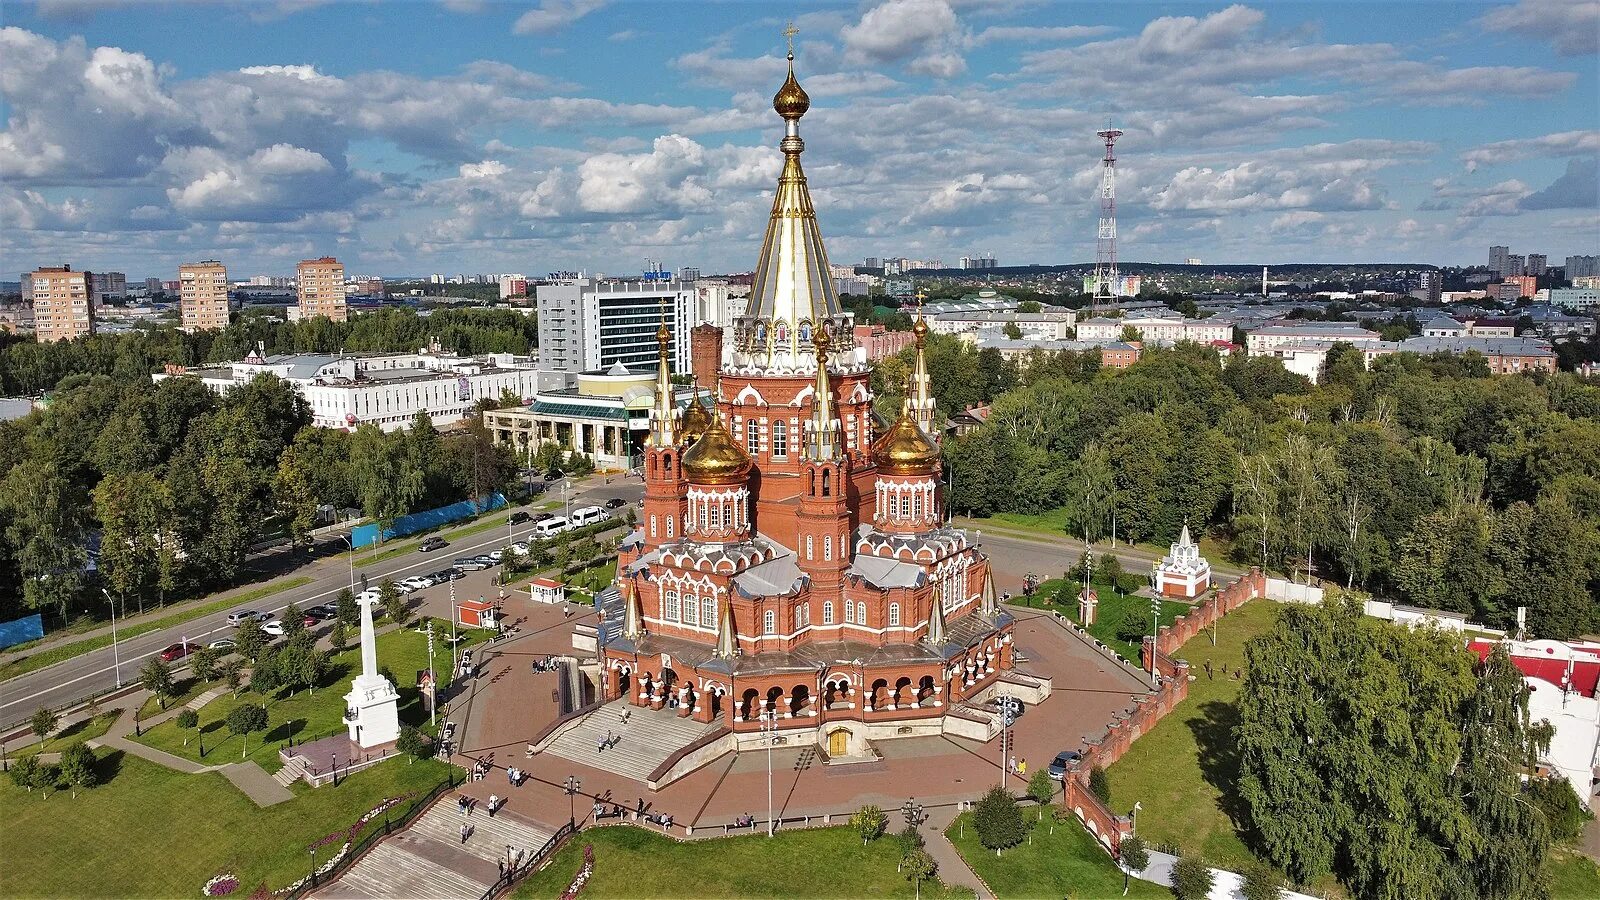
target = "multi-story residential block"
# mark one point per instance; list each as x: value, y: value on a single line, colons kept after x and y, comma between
x: 321, y: 287
x: 1576, y: 299
x: 1163, y: 331
x: 1052, y: 325
x: 110, y: 284
x: 881, y: 343
x: 1263, y: 340
x: 203, y: 295
x: 1119, y: 354
x: 1499, y: 260
x: 1516, y: 264
x: 1537, y: 265
x: 587, y: 325
x: 513, y: 285
x: 1506, y: 356
x: 1592, y: 282
x: 718, y: 302
x: 63, y: 303
x: 1430, y: 284
x: 1579, y: 266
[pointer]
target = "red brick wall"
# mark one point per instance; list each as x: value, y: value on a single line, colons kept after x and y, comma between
x: 705, y: 353
x: 1152, y: 708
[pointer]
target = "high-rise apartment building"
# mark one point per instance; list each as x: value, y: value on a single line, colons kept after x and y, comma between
x: 322, y: 288
x: 63, y: 303
x: 1537, y: 265
x: 110, y: 284
x: 1580, y: 266
x: 585, y: 324
x: 985, y: 261
x: 1430, y: 283
x: 1516, y: 263
x: 203, y: 295
x: 1497, y: 260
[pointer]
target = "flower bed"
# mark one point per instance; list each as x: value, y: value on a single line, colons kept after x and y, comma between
x: 345, y: 838
x: 221, y: 886
x: 582, y: 877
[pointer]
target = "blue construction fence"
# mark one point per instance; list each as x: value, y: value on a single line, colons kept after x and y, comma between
x: 366, y: 535
x: 21, y: 631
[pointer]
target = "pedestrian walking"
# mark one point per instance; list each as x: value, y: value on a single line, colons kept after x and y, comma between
x: 461, y: 804
x: 502, y: 869
x: 640, y: 811
x: 494, y: 800
x: 511, y: 775
x: 1022, y: 767
x: 463, y: 833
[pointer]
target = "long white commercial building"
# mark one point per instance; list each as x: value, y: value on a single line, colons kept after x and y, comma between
x: 386, y: 389
x: 1161, y: 331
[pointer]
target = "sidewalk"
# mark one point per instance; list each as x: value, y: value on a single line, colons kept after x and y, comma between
x: 953, y: 870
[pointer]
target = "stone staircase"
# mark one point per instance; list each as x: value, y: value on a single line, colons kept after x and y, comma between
x: 648, y: 738
x: 429, y: 859
x: 205, y: 698
x: 291, y: 771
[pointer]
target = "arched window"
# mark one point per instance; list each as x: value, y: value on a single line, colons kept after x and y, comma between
x: 810, y: 548
x: 652, y: 526
x: 780, y: 439
x: 894, y: 614
x: 666, y: 460
x: 861, y: 613
x: 691, y: 610
x: 769, y: 622
x: 708, y: 612
x: 827, y: 612
x: 905, y: 506
x: 716, y: 514
x: 669, y: 525
x: 849, y: 613
x: 752, y: 438
x: 669, y: 606
x: 827, y: 546
x: 827, y: 489
x: 799, y: 618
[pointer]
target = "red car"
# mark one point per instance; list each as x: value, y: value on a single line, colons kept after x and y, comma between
x: 178, y: 651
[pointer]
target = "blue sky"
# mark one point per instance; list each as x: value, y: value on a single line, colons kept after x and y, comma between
x: 413, y: 137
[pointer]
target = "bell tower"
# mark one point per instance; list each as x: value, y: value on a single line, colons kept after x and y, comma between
x: 665, y: 488
x: 823, y: 516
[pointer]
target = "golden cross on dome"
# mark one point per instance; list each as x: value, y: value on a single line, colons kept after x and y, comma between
x: 789, y: 31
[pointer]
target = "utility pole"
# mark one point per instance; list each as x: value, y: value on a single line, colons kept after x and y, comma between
x: 769, y: 735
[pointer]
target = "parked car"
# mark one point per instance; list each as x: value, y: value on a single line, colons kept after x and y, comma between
x: 324, y: 612
x: 553, y: 476
x: 496, y: 555
x: 518, y: 517
x: 470, y: 564
x: 273, y: 627
x: 239, y: 618
x: 444, y: 575
x: 178, y: 651
x: 433, y: 543
x: 552, y: 526
x: 1058, y: 766
x: 588, y: 515
x: 416, y: 583
x: 224, y: 644
x: 616, y: 503
x: 520, y: 548
x: 542, y: 517
x: 487, y: 559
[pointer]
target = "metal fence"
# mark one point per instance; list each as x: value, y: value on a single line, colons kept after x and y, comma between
x: 513, y: 875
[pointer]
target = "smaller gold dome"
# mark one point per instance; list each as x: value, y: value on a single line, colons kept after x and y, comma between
x: 695, y: 421
x: 919, y: 327
x: 662, y: 334
x: 716, y: 458
x: 791, y: 101
x: 905, y: 450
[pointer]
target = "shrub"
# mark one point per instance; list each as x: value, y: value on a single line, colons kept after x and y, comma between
x: 1191, y: 880
x: 998, y: 821
x: 1099, y: 784
x: 412, y: 741
x: 909, y: 839
x: 77, y: 766
x: 869, y: 822
x: 1261, y: 882
x: 1133, y: 627
x: 1559, y: 803
x: 1133, y: 855
x: 187, y: 719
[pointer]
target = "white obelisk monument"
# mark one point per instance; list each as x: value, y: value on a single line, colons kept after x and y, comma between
x: 372, y: 708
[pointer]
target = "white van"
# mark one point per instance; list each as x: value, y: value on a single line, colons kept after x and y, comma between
x: 588, y: 515
x: 551, y: 527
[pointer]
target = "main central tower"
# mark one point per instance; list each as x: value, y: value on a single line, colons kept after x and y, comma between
x: 792, y: 563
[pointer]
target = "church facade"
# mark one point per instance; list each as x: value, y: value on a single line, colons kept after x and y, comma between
x: 792, y: 567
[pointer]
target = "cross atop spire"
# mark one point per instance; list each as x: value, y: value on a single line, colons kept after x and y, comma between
x: 789, y: 31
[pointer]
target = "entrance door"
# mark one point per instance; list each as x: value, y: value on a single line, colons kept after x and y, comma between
x: 838, y: 742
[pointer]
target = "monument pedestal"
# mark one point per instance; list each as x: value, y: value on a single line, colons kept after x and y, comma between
x: 372, y: 711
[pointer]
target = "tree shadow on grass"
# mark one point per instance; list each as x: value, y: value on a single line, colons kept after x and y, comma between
x: 283, y: 731
x: 107, y: 766
x: 1215, y: 739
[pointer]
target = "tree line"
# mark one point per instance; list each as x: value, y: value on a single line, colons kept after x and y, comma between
x: 1423, y: 479
x: 158, y: 490
x: 28, y: 367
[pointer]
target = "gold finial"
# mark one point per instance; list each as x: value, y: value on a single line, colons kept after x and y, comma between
x: 791, y: 102
x: 789, y: 31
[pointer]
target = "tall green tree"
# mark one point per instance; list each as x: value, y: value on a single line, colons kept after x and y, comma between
x: 44, y: 533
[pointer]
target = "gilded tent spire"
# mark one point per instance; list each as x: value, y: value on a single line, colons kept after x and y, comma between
x: 792, y: 284
x: 936, y: 634
x: 663, y: 424
x: 633, y: 618
x: 919, y: 398
x: 727, y: 648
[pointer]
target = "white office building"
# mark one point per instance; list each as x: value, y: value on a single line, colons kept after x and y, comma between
x: 1264, y: 339
x: 1160, y: 331
x: 1576, y: 299
x: 386, y: 389
x: 587, y: 324
x: 1055, y: 324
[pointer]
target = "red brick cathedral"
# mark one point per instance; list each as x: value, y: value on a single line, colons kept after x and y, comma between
x: 792, y: 563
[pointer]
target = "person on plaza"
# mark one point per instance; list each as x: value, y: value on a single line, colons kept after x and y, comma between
x: 1022, y: 767
x: 461, y: 804
x: 494, y: 800
x: 463, y: 833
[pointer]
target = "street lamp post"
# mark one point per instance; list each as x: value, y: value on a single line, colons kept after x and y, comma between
x: 351, y: 540
x: 571, y: 787
x: 313, y: 852
x: 116, y: 655
x: 1155, y: 630
x: 769, y: 735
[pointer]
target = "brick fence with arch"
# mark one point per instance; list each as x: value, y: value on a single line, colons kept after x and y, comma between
x: 1108, y: 827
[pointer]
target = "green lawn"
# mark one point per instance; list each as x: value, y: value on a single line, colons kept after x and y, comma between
x: 1053, y: 522
x: 816, y: 862
x: 1183, y: 771
x: 1573, y: 876
x: 1113, y: 607
x: 308, y: 715
x: 148, y: 831
x: 183, y: 690
x: 1060, y: 859
x: 76, y: 733
x: 52, y: 654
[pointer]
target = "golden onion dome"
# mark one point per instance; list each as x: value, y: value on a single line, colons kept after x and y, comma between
x: 919, y: 327
x: 716, y: 458
x: 695, y: 421
x: 905, y: 450
x: 791, y: 101
x: 662, y: 334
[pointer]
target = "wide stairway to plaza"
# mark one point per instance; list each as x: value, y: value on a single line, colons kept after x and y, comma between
x: 641, y: 744
x: 429, y: 859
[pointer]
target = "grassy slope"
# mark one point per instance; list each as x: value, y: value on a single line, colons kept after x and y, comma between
x: 152, y: 832
x: 818, y: 862
x: 1063, y: 861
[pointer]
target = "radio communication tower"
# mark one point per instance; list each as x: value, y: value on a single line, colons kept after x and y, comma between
x: 1105, y: 257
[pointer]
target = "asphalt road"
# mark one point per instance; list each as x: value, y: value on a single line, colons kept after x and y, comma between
x: 1012, y: 557
x: 98, y: 670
